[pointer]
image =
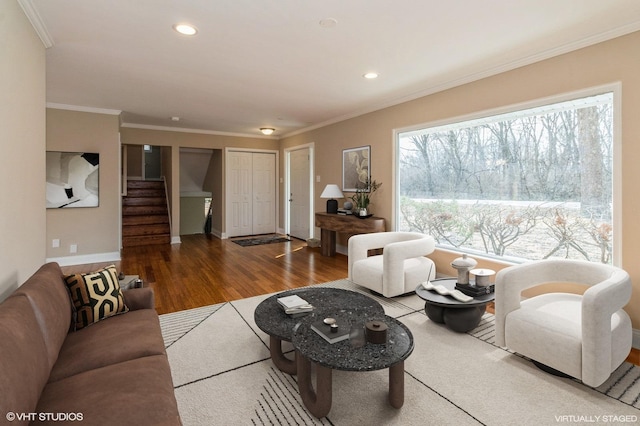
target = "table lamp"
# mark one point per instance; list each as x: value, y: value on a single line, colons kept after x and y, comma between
x: 332, y: 192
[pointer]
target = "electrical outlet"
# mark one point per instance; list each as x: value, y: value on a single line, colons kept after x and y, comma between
x: 318, y: 178
x: 55, y: 243
x: 73, y: 248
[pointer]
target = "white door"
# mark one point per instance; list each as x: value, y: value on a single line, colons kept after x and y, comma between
x: 239, y: 194
x: 264, y: 193
x: 299, y: 194
x: 251, y: 193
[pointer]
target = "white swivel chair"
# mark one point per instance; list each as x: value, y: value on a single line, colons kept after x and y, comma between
x: 400, y: 267
x: 583, y: 336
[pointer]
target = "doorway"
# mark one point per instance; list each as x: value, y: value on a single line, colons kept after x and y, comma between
x: 299, y: 210
x: 152, y: 162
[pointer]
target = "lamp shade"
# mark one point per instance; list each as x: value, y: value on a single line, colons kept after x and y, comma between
x: 331, y: 191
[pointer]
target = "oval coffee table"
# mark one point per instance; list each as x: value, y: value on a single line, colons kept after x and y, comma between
x: 270, y: 317
x: 353, y: 354
x: 458, y: 316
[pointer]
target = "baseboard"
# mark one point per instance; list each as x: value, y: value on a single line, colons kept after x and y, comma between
x: 84, y: 259
x: 176, y: 240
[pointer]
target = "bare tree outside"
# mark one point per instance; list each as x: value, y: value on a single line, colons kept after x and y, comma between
x: 525, y: 185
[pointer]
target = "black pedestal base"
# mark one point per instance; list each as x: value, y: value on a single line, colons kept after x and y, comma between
x: 550, y: 370
x: 459, y: 320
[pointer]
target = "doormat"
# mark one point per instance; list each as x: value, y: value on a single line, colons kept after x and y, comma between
x: 248, y: 242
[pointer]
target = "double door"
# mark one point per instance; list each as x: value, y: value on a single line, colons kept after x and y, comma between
x: 251, y: 193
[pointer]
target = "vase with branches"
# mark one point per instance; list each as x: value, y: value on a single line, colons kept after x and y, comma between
x: 362, y: 197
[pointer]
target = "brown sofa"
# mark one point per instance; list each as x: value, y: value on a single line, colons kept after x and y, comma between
x: 114, y: 372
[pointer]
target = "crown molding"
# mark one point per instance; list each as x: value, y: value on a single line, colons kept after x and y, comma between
x: 36, y: 22
x: 469, y: 78
x: 78, y: 108
x: 199, y: 131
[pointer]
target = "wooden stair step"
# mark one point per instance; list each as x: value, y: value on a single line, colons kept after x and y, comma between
x: 144, y: 201
x: 145, y: 192
x: 155, y: 229
x: 144, y: 220
x: 145, y: 184
x: 146, y: 240
x: 144, y: 210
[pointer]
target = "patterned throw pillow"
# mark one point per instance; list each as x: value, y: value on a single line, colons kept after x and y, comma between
x: 95, y: 296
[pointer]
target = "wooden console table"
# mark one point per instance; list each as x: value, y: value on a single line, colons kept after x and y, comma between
x: 329, y: 224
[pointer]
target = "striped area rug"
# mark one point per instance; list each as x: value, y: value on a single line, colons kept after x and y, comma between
x: 221, y: 369
x: 623, y: 385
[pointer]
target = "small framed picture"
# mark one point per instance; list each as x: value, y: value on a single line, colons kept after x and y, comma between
x: 356, y: 170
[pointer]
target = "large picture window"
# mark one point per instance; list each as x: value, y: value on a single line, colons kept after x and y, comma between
x: 524, y: 185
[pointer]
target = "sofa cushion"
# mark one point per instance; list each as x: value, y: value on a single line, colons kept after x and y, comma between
x: 122, y: 338
x: 24, y: 365
x: 95, y: 296
x: 50, y: 302
x: 136, y: 392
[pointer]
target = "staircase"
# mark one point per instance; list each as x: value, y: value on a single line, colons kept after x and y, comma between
x: 145, y: 216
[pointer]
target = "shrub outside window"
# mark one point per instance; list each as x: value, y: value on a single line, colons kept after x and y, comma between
x: 525, y: 185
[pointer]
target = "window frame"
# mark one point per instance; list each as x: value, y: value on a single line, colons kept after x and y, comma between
x: 614, y: 88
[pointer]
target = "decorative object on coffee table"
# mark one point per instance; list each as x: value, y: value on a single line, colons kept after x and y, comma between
x: 457, y: 316
x: 463, y: 265
x: 483, y: 276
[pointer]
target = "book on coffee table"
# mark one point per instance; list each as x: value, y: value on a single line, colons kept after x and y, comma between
x: 295, y: 305
x: 324, y: 330
x: 293, y: 301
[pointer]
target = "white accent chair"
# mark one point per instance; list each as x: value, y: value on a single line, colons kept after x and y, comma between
x: 583, y: 336
x: 401, y: 266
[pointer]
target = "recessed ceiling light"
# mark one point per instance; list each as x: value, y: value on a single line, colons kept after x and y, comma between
x: 185, y: 29
x: 267, y: 130
x: 174, y: 118
x: 328, y: 22
x: 371, y: 75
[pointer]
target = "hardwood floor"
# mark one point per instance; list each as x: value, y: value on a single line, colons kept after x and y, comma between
x: 205, y: 270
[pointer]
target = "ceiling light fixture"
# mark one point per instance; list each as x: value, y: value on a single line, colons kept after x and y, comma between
x: 267, y: 130
x: 328, y: 22
x: 185, y: 29
x: 371, y: 75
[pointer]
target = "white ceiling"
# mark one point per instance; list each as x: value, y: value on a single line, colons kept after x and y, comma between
x: 269, y: 63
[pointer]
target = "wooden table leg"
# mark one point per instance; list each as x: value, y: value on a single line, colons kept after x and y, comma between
x: 283, y: 363
x: 396, y: 385
x: 318, y: 401
x: 328, y: 242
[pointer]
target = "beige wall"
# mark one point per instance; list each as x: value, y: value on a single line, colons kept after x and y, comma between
x: 614, y: 61
x: 95, y: 231
x: 22, y: 138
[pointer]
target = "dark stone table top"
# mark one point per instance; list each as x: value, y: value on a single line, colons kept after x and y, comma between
x: 355, y: 354
x: 328, y: 302
x: 431, y: 296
